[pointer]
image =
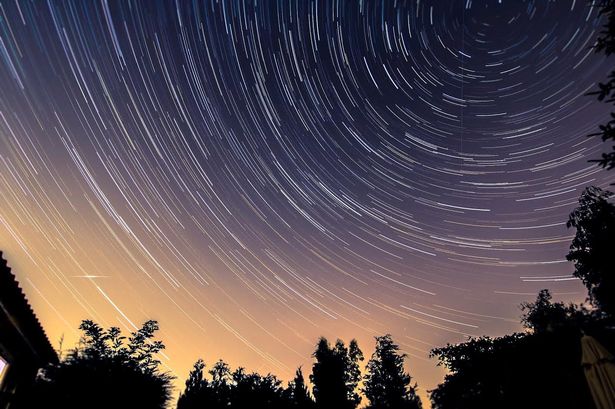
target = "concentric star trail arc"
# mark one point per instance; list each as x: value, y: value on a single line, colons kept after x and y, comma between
x: 256, y: 174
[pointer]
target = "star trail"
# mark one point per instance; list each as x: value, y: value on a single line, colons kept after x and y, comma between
x: 255, y: 174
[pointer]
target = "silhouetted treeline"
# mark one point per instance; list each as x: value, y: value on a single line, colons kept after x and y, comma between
x: 335, y: 377
x: 538, y: 368
x: 239, y: 389
x: 109, y: 370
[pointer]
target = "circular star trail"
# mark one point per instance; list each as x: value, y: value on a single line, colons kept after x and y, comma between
x: 257, y: 174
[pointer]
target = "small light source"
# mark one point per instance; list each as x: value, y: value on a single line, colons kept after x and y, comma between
x: 3, y: 366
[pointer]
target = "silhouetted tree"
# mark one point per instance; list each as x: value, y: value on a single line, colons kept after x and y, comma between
x: 537, y: 369
x: 220, y: 384
x: 251, y: 390
x: 546, y: 316
x: 513, y: 371
x: 199, y: 392
x: 105, y: 371
x: 297, y: 393
x: 387, y: 385
x: 195, y: 378
x: 354, y: 356
x: 543, y: 315
x: 606, y: 91
x: 593, y: 247
x: 336, y: 374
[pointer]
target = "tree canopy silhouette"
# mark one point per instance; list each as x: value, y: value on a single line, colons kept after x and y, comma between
x: 387, y: 385
x: 593, y: 247
x: 538, y: 369
x: 107, y: 370
x: 543, y: 315
x: 336, y: 374
x: 236, y: 389
x: 298, y: 394
x: 253, y: 390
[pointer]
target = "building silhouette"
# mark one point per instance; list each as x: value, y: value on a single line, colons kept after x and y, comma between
x: 24, y: 346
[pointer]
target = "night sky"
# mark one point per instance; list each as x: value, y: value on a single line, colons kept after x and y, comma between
x: 256, y: 174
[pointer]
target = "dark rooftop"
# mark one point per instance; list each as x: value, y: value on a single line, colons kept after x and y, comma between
x: 15, y: 310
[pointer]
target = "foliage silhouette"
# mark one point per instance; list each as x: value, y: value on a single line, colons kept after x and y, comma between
x: 297, y: 393
x: 237, y: 389
x: 253, y: 390
x: 606, y: 91
x: 593, y: 247
x: 545, y: 316
x: 107, y: 370
x: 201, y: 392
x: 386, y: 385
x: 336, y: 374
x: 539, y: 370
x: 536, y: 369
